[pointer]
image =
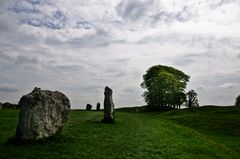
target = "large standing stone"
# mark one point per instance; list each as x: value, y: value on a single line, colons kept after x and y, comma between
x: 88, y: 107
x: 43, y: 113
x: 98, y: 107
x: 108, y: 106
x: 1, y: 104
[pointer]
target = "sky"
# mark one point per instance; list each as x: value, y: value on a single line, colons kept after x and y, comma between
x: 79, y: 47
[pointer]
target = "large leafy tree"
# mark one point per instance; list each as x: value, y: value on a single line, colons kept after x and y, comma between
x: 165, y: 86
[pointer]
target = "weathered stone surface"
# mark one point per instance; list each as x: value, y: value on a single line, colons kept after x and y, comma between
x: 88, y: 107
x: 43, y: 113
x: 1, y: 104
x: 108, y: 106
x: 98, y: 107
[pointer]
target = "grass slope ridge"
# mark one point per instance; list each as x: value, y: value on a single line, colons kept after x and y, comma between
x: 191, y: 133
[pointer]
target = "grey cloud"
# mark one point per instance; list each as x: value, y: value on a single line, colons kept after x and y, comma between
x: 149, y: 11
x: 22, y: 9
x: 25, y: 60
x: 184, y: 15
x: 168, y: 17
x: 100, y: 38
x: 219, y: 79
x: 97, y: 39
x: 133, y: 9
x: 84, y: 24
x: 229, y: 85
x: 200, y: 88
x: 190, y: 58
x: 71, y: 67
x: 39, y: 2
x: 56, y: 21
x: 114, y: 72
x: 8, y: 89
x: 130, y: 90
x: 6, y: 57
x: 122, y: 61
x: 20, y: 59
x: 216, y: 4
x: 206, y: 41
x: 210, y: 88
x: 83, y: 65
x: 7, y: 25
x: 34, y: 17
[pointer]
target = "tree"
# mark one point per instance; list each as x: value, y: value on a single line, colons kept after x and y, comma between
x: 192, y: 100
x: 165, y: 87
x: 237, y: 103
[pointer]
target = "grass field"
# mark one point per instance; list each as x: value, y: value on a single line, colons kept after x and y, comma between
x: 206, y: 132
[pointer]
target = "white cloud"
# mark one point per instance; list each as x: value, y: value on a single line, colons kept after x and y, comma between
x: 79, y: 47
x: 229, y: 85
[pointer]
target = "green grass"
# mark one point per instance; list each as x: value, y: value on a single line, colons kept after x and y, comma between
x: 208, y: 132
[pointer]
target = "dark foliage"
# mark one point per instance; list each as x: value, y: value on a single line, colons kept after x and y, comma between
x: 8, y: 105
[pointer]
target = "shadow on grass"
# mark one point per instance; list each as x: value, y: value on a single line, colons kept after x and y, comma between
x: 93, y: 121
x: 56, y: 139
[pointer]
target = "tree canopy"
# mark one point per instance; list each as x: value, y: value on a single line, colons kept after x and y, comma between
x: 165, y: 86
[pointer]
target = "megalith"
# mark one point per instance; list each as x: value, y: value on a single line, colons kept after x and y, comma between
x: 43, y: 113
x: 108, y: 106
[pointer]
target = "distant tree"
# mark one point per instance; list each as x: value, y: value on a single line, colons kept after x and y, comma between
x: 237, y: 103
x: 8, y: 105
x: 192, y: 100
x: 164, y: 86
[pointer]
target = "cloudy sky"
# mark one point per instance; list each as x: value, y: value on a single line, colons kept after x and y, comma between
x: 79, y: 47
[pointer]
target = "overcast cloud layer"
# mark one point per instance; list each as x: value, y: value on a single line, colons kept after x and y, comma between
x: 79, y: 47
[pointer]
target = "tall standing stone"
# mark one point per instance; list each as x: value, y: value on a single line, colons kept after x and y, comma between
x: 98, y: 107
x: 108, y: 106
x: 43, y: 113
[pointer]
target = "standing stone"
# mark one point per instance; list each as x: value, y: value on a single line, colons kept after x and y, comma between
x: 88, y: 107
x: 1, y: 104
x: 43, y: 113
x: 98, y: 107
x: 108, y: 106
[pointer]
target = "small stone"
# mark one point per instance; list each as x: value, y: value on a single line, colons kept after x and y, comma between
x: 43, y: 113
x: 88, y: 107
x: 98, y: 107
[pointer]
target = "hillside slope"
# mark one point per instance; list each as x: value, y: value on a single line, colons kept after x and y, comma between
x: 176, y: 134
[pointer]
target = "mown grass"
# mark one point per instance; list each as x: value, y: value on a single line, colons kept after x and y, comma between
x: 196, y: 133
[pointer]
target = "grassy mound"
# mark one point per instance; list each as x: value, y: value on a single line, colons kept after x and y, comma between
x: 208, y: 132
